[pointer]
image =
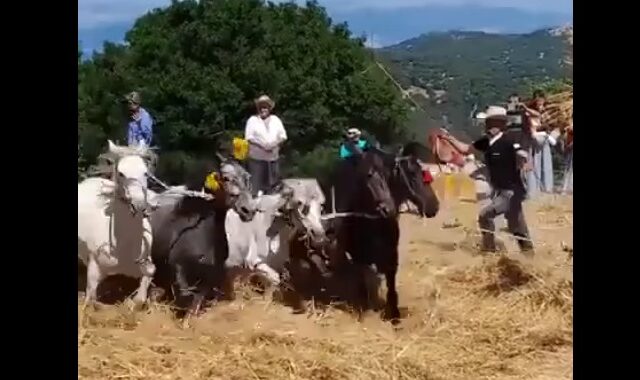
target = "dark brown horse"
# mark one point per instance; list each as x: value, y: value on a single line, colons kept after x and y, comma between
x: 364, y: 224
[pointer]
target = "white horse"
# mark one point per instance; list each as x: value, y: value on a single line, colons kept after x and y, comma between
x: 262, y: 244
x: 114, y: 233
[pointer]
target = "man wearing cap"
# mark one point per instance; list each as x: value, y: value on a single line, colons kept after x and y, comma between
x: 505, y: 160
x: 265, y: 134
x: 140, y: 127
x: 353, y: 144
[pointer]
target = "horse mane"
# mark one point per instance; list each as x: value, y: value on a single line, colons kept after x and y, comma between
x: 105, y: 161
x: 415, y: 149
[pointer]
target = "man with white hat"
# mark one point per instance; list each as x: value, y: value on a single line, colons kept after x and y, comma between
x: 353, y: 144
x: 265, y: 133
x: 505, y: 159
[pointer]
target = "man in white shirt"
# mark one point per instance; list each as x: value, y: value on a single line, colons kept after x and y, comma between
x: 265, y: 134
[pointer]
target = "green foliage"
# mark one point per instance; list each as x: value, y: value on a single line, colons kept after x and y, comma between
x: 473, y: 68
x: 199, y: 65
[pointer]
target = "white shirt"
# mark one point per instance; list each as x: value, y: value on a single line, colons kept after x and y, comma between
x: 265, y: 137
x: 495, y: 138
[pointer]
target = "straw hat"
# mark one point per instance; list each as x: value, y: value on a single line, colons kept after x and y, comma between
x: 133, y: 97
x: 264, y: 99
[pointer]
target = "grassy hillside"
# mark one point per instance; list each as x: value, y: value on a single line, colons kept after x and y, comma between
x: 448, y: 73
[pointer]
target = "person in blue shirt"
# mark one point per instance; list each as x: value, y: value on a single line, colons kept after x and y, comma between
x: 140, y: 126
x: 353, y: 144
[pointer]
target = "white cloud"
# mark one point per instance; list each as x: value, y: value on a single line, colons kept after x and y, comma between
x: 99, y: 13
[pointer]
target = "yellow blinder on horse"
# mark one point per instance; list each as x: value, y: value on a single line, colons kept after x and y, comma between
x: 211, y: 182
x: 240, y: 149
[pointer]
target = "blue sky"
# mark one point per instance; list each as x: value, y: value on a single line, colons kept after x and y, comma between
x: 384, y: 21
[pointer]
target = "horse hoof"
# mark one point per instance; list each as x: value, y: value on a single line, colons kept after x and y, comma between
x: 185, y: 324
x: 299, y: 310
x: 139, y: 301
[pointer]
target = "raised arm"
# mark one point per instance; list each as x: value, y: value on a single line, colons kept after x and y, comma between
x: 457, y: 144
x: 530, y: 111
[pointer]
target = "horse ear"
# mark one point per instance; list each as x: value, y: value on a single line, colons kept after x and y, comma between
x: 116, y: 150
x: 286, y: 192
x: 221, y: 157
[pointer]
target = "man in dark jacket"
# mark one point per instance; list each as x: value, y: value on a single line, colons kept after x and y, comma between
x: 506, y: 159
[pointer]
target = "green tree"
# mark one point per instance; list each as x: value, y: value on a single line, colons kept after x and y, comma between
x: 199, y: 65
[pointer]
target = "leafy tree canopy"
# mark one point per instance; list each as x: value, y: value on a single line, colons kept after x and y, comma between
x: 199, y: 65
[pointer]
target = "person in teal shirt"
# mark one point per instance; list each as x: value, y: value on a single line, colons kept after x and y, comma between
x: 354, y: 144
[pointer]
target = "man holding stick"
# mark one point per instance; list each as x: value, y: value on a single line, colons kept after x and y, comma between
x: 505, y: 159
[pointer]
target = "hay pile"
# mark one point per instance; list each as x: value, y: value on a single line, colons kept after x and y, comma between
x: 560, y: 105
x: 466, y: 318
x: 496, y: 319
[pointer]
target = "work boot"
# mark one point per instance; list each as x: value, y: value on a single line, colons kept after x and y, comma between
x: 526, y: 246
x: 488, y: 244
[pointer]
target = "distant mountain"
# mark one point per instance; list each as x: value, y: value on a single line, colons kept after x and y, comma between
x: 386, y: 26
x: 448, y: 74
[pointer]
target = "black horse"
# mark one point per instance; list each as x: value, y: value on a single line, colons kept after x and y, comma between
x: 190, y: 243
x: 369, y: 231
x: 361, y: 181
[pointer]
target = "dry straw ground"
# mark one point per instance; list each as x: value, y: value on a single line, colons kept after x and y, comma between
x: 468, y: 317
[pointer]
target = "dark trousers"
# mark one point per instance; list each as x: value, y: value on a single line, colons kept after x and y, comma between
x: 264, y: 175
x: 509, y: 203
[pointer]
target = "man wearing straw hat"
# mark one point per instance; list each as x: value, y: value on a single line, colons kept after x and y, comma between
x: 505, y: 160
x: 265, y: 134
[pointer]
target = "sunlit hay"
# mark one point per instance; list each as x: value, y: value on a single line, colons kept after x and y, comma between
x: 522, y: 286
x: 495, y: 317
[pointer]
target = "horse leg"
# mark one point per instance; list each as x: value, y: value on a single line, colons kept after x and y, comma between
x: 269, y: 274
x: 228, y: 287
x: 292, y: 286
x: 148, y: 270
x: 361, y: 292
x: 392, y: 312
x: 182, y: 293
x: 373, y: 286
x: 94, y: 276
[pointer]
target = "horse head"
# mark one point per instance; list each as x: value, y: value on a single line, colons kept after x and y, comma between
x: 301, y: 207
x: 412, y: 181
x: 236, y: 182
x: 130, y: 172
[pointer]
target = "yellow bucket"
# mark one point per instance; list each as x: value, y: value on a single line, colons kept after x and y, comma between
x: 456, y: 186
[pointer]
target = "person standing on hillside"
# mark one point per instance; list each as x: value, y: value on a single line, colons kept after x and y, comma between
x: 505, y: 161
x: 140, y: 126
x: 265, y: 134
